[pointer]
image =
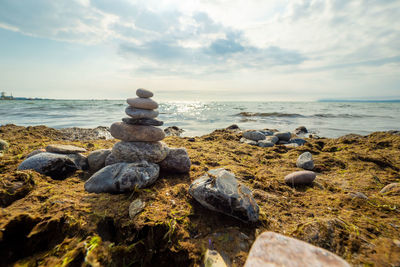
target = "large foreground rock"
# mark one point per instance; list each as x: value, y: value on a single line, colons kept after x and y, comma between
x: 97, y: 159
x: 137, y: 151
x: 177, y: 161
x: 57, y: 166
x: 219, y: 190
x: 136, y: 133
x: 272, y: 249
x: 123, y: 177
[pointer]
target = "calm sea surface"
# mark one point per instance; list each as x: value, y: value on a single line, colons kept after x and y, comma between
x: 198, y: 118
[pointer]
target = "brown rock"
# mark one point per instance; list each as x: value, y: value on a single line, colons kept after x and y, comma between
x: 143, y: 93
x: 300, y: 178
x: 134, y: 133
x: 64, y: 149
x: 272, y: 249
x: 143, y: 103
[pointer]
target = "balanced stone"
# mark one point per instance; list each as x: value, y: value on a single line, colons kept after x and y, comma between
x: 177, y: 160
x: 143, y: 103
x: 144, y: 121
x: 283, y: 136
x: 64, y: 149
x: 213, y: 259
x: 138, y: 113
x: 219, y: 190
x: 253, y: 135
x: 97, y: 159
x: 57, y: 166
x: 300, y: 178
x: 273, y: 249
x: 305, y: 161
x: 143, y: 93
x: 136, y: 151
x: 133, y: 133
x: 123, y: 177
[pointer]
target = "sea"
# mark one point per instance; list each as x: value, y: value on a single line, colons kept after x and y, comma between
x: 326, y: 119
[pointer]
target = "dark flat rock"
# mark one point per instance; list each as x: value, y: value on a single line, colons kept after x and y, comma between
x: 144, y: 121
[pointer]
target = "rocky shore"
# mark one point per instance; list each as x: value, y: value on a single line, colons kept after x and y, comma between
x: 246, y: 192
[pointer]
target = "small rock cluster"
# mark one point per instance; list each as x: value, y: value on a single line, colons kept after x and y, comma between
x: 269, y: 138
x: 136, y: 160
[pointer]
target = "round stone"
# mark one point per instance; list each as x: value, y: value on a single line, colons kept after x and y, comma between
x: 300, y: 178
x: 177, y: 161
x: 97, y: 159
x: 143, y: 93
x: 305, y: 161
x: 134, y: 133
x: 144, y: 103
x: 138, y: 113
x: 265, y: 143
x: 253, y: 135
x: 64, y: 149
x: 137, y: 151
x: 283, y: 136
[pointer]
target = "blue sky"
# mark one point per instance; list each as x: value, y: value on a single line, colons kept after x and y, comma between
x: 201, y: 50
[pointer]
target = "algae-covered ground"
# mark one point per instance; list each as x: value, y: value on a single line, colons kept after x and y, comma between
x: 45, y: 222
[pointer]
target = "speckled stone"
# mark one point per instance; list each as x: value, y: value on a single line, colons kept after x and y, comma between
x: 136, y: 151
x: 305, y: 161
x: 253, y: 135
x: 143, y: 93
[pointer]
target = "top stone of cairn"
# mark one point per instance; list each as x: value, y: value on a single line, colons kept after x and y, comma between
x: 143, y: 93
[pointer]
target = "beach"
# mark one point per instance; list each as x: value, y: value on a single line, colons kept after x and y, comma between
x: 50, y: 222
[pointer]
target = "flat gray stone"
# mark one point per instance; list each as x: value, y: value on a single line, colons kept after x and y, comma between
x: 137, y: 151
x: 305, y: 161
x: 177, y: 161
x: 97, y: 159
x: 136, y: 207
x: 298, y: 141
x: 283, y: 136
x: 219, y: 190
x: 144, y: 93
x: 122, y: 177
x: 137, y: 113
x: 133, y: 133
x: 57, y: 166
x: 273, y: 249
x: 35, y: 152
x: 300, y: 178
x: 143, y: 103
x: 64, y: 149
x: 253, y: 135
x: 148, y: 122
x: 265, y: 143
x: 272, y: 139
x: 80, y: 161
x: 247, y: 141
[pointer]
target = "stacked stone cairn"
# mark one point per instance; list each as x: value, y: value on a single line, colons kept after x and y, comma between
x: 136, y: 160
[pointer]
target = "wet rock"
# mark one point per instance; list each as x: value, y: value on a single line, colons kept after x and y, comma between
x: 138, y: 113
x: 35, y: 152
x: 123, y: 177
x: 301, y: 130
x: 57, y: 166
x: 80, y: 161
x: 173, y: 131
x: 247, y: 141
x: 97, y: 159
x: 233, y: 127
x: 144, y: 93
x: 135, y: 133
x: 305, y: 161
x: 391, y: 189
x: 4, y: 145
x: 273, y: 249
x: 283, y: 136
x: 177, y: 161
x: 213, y: 259
x: 143, y: 103
x: 280, y: 142
x: 300, y: 178
x: 148, y: 122
x: 219, y: 190
x: 298, y: 141
x: 64, y: 149
x: 137, y: 151
x: 136, y: 207
x: 265, y: 143
x: 253, y: 135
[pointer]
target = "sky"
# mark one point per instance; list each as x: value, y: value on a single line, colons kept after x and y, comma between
x: 273, y: 50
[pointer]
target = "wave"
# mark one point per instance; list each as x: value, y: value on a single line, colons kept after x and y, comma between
x: 318, y: 115
x: 268, y: 114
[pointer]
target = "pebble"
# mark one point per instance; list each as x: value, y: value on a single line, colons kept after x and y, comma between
x: 213, y: 259
x: 283, y: 136
x: 57, y: 166
x: 137, y: 151
x: 133, y: 133
x: 4, y: 145
x: 305, y: 161
x: 291, y: 145
x: 253, y: 135
x: 298, y: 141
x: 35, y: 152
x: 280, y: 142
x: 273, y: 249
x: 300, y: 178
x: 136, y: 207
x: 173, y: 131
x: 301, y: 130
x: 97, y: 159
x: 219, y: 190
x: 143, y: 93
x: 123, y: 177
x: 143, y: 103
x: 177, y: 161
x: 265, y: 143
x: 64, y: 149
x: 148, y: 122
x: 391, y: 189
x: 138, y: 113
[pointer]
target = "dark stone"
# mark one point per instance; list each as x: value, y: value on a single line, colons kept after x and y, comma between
x: 301, y: 130
x: 173, y: 131
x: 97, y: 159
x: 298, y: 141
x: 177, y: 161
x: 143, y: 121
x: 233, y: 127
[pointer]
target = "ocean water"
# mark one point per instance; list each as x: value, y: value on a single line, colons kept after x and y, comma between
x: 327, y: 119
